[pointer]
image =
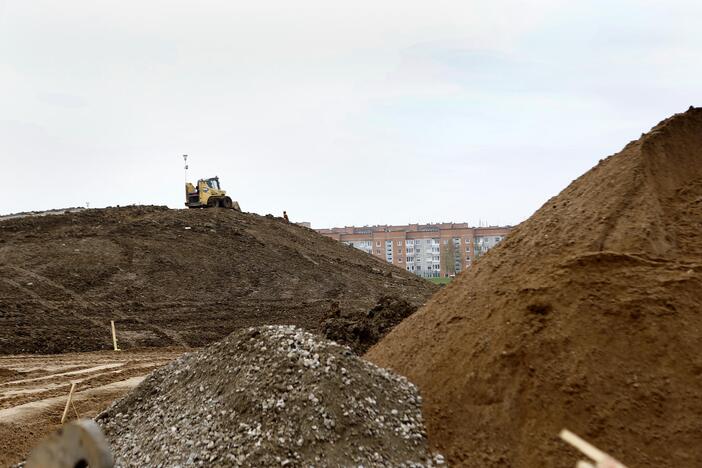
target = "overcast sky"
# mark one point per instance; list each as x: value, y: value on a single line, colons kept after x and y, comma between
x: 356, y: 112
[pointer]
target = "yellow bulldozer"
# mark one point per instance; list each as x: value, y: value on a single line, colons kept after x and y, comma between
x: 208, y: 194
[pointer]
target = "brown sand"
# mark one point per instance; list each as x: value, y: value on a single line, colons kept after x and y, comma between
x: 588, y: 316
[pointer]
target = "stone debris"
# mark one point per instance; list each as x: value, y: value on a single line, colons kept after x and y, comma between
x: 270, y: 396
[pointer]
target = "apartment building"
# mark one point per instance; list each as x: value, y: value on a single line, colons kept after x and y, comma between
x: 428, y: 250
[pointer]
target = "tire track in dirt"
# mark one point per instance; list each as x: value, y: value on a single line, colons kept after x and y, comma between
x: 173, y: 335
x: 75, y: 372
x: 48, y: 304
x: 34, y: 389
x: 30, y: 410
x: 76, y: 297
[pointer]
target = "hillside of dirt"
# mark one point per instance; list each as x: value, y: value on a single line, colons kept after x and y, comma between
x: 269, y: 396
x: 175, y: 278
x: 588, y: 316
x: 362, y: 329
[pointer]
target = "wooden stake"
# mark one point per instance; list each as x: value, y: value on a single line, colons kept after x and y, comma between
x: 602, y: 460
x: 68, y: 402
x: 590, y: 450
x: 114, y: 336
x: 75, y: 410
x: 584, y: 464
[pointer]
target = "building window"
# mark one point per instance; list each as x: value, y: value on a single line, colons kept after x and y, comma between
x: 377, y: 243
x: 445, y: 241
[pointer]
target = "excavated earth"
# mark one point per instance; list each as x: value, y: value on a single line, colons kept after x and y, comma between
x: 175, y: 278
x: 588, y: 316
x: 361, y: 329
x: 269, y: 396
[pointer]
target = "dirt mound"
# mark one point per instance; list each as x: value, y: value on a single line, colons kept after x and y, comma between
x: 175, y: 277
x: 360, y: 330
x: 587, y: 317
x: 269, y: 396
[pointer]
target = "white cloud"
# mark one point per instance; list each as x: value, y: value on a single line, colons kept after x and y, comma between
x: 340, y: 113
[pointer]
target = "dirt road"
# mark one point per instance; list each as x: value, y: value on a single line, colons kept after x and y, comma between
x: 34, y: 389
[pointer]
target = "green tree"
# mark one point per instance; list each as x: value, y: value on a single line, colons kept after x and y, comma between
x: 448, y: 253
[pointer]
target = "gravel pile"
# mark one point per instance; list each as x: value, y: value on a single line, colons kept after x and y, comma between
x: 270, y: 396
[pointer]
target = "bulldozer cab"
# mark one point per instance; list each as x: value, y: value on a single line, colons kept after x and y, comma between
x: 212, y: 183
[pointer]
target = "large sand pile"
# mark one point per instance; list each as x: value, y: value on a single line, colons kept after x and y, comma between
x: 269, y: 396
x: 588, y: 316
x: 175, y: 277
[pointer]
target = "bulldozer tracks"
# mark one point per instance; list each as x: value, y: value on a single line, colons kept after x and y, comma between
x: 33, y: 390
x: 43, y: 279
x: 82, y: 303
x: 51, y: 305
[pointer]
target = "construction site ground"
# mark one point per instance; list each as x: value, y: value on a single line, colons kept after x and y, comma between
x: 176, y: 278
x: 587, y: 317
x: 171, y: 280
x: 34, y: 390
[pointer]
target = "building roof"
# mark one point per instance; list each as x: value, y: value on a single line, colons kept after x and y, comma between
x: 431, y: 227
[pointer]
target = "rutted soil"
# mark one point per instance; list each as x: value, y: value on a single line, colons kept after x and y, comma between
x: 34, y: 389
x: 175, y: 278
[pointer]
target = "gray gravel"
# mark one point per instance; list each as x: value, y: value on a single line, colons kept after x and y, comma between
x: 270, y: 396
